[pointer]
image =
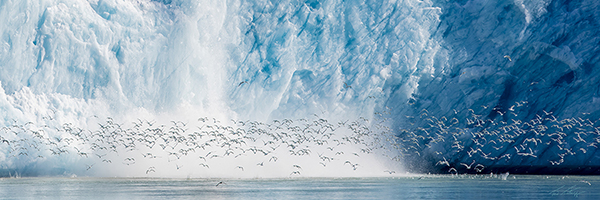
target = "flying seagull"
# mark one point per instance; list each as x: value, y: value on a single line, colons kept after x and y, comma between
x: 346, y: 85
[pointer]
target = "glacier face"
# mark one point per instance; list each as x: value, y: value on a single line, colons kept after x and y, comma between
x: 158, y: 55
x: 521, y: 79
x: 466, y: 86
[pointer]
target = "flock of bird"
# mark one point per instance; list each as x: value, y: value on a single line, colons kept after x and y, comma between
x: 470, y: 143
x: 207, y: 142
x: 453, y: 145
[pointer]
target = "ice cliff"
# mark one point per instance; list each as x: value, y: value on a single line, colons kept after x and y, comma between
x: 465, y: 86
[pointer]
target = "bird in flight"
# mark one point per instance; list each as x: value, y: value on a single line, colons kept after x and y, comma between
x: 346, y: 85
x: 242, y: 168
x: 151, y: 169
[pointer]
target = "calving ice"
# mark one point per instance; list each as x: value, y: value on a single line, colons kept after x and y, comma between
x: 289, y: 88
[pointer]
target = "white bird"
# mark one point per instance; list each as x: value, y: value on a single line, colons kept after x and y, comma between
x: 242, y: 168
x: 468, y: 166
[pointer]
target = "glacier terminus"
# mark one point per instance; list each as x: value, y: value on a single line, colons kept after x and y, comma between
x: 292, y: 88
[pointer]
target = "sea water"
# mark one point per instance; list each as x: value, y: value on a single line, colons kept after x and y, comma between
x: 409, y: 187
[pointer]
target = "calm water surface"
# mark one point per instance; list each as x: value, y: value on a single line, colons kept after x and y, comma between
x: 420, y: 187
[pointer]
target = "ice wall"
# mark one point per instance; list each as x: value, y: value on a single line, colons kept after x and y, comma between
x: 253, y: 60
x: 82, y: 64
x: 521, y: 80
x: 445, y: 76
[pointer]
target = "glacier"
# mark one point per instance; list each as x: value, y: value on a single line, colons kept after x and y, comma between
x: 467, y: 86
